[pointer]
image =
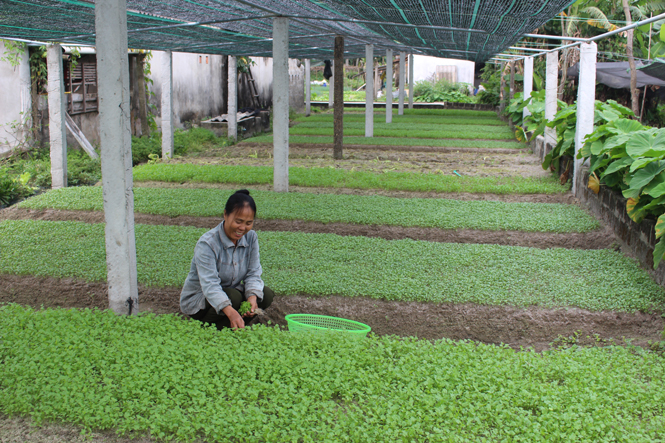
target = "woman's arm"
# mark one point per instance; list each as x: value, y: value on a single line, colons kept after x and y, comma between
x: 206, y: 267
x: 252, y: 280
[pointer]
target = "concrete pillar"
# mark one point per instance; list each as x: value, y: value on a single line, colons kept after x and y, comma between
x: 56, y: 115
x: 232, y: 120
x: 586, y: 98
x: 512, y: 80
x: 402, y: 74
x: 167, y: 105
x: 331, y: 88
x: 308, y: 88
x: 116, y: 142
x: 280, y: 100
x: 528, y: 82
x: 502, y: 89
x: 389, y: 85
x: 410, y: 81
x: 551, y: 85
x: 369, y: 91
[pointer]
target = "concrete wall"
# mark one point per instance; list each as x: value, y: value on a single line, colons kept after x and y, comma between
x: 15, y: 101
x: 424, y: 67
x: 197, y: 86
x: 262, y: 73
x: 639, y: 240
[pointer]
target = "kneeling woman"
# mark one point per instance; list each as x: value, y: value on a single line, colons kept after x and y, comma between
x: 226, y: 269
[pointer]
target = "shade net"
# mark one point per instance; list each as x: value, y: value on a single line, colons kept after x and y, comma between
x: 617, y: 75
x: 472, y: 30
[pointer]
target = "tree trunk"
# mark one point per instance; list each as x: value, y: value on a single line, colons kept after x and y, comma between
x: 338, y: 91
x: 634, y: 94
x: 225, y: 84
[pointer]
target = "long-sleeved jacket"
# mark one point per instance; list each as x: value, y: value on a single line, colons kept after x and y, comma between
x: 219, y: 263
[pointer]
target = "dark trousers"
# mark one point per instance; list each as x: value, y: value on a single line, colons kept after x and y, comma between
x: 209, y: 315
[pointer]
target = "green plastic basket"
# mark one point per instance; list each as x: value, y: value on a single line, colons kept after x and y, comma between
x: 312, y: 322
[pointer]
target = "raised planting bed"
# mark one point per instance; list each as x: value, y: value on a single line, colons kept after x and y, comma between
x: 341, y: 178
x: 174, y: 380
x: 327, y: 208
x: 326, y: 264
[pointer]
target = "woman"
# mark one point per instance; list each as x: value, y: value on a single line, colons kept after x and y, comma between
x: 226, y: 269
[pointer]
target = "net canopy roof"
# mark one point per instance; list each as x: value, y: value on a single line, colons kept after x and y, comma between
x: 463, y: 29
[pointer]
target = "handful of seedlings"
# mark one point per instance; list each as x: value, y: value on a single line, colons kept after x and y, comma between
x: 246, y: 307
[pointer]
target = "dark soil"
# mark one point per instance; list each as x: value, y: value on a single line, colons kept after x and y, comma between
x: 566, y: 198
x: 517, y: 327
x: 599, y: 239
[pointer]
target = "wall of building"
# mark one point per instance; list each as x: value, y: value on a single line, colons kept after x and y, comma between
x: 424, y: 67
x: 15, y: 102
x: 262, y: 73
x: 197, y: 86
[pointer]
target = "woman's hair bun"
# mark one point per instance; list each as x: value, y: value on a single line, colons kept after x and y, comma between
x: 242, y: 191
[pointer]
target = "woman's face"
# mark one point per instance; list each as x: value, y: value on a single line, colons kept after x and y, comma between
x: 238, y: 223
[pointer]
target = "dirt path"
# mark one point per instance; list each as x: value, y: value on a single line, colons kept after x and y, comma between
x: 599, y: 239
x: 516, y: 327
x: 566, y: 198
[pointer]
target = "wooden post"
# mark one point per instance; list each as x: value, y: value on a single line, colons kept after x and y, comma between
x: 338, y: 77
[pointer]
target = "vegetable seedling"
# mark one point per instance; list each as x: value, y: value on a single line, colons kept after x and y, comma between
x: 245, y: 307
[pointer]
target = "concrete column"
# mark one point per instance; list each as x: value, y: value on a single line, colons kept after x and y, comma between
x: 402, y: 74
x: 551, y: 85
x: 232, y: 120
x: 56, y: 115
x: 331, y: 88
x: 586, y: 98
x: 410, y: 81
x: 389, y: 85
x: 280, y: 100
x: 512, y: 80
x: 369, y: 91
x: 116, y: 141
x: 308, y: 88
x: 502, y: 89
x: 167, y: 105
x: 528, y: 82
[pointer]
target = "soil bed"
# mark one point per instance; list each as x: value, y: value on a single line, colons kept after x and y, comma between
x: 566, y: 198
x: 517, y: 327
x: 394, y: 148
x: 599, y: 239
x: 466, y: 161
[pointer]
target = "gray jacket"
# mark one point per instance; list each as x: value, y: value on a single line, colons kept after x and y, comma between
x: 219, y: 263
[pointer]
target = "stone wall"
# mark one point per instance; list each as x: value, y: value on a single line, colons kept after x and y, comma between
x: 610, y: 206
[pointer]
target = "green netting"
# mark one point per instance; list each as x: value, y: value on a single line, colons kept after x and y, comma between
x: 472, y: 30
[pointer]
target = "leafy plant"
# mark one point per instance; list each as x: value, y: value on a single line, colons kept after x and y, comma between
x: 142, y: 376
x: 430, y: 91
x: 365, y: 210
x: 327, y: 264
x: 341, y: 178
x: 245, y: 307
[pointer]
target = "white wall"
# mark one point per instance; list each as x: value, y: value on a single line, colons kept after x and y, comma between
x: 424, y: 67
x: 14, y: 100
x: 262, y: 73
x: 197, y: 86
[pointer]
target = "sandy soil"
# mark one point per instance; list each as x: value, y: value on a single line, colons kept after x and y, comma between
x: 599, y: 239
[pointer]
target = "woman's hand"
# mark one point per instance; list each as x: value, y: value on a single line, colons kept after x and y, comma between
x: 234, y: 317
x: 252, y: 301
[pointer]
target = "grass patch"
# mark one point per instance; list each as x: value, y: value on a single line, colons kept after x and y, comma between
x: 398, y: 141
x: 416, y: 131
x: 412, y: 126
x: 175, y: 380
x: 410, y: 119
x: 341, y: 178
x: 423, y: 111
x: 326, y: 208
x: 327, y: 264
